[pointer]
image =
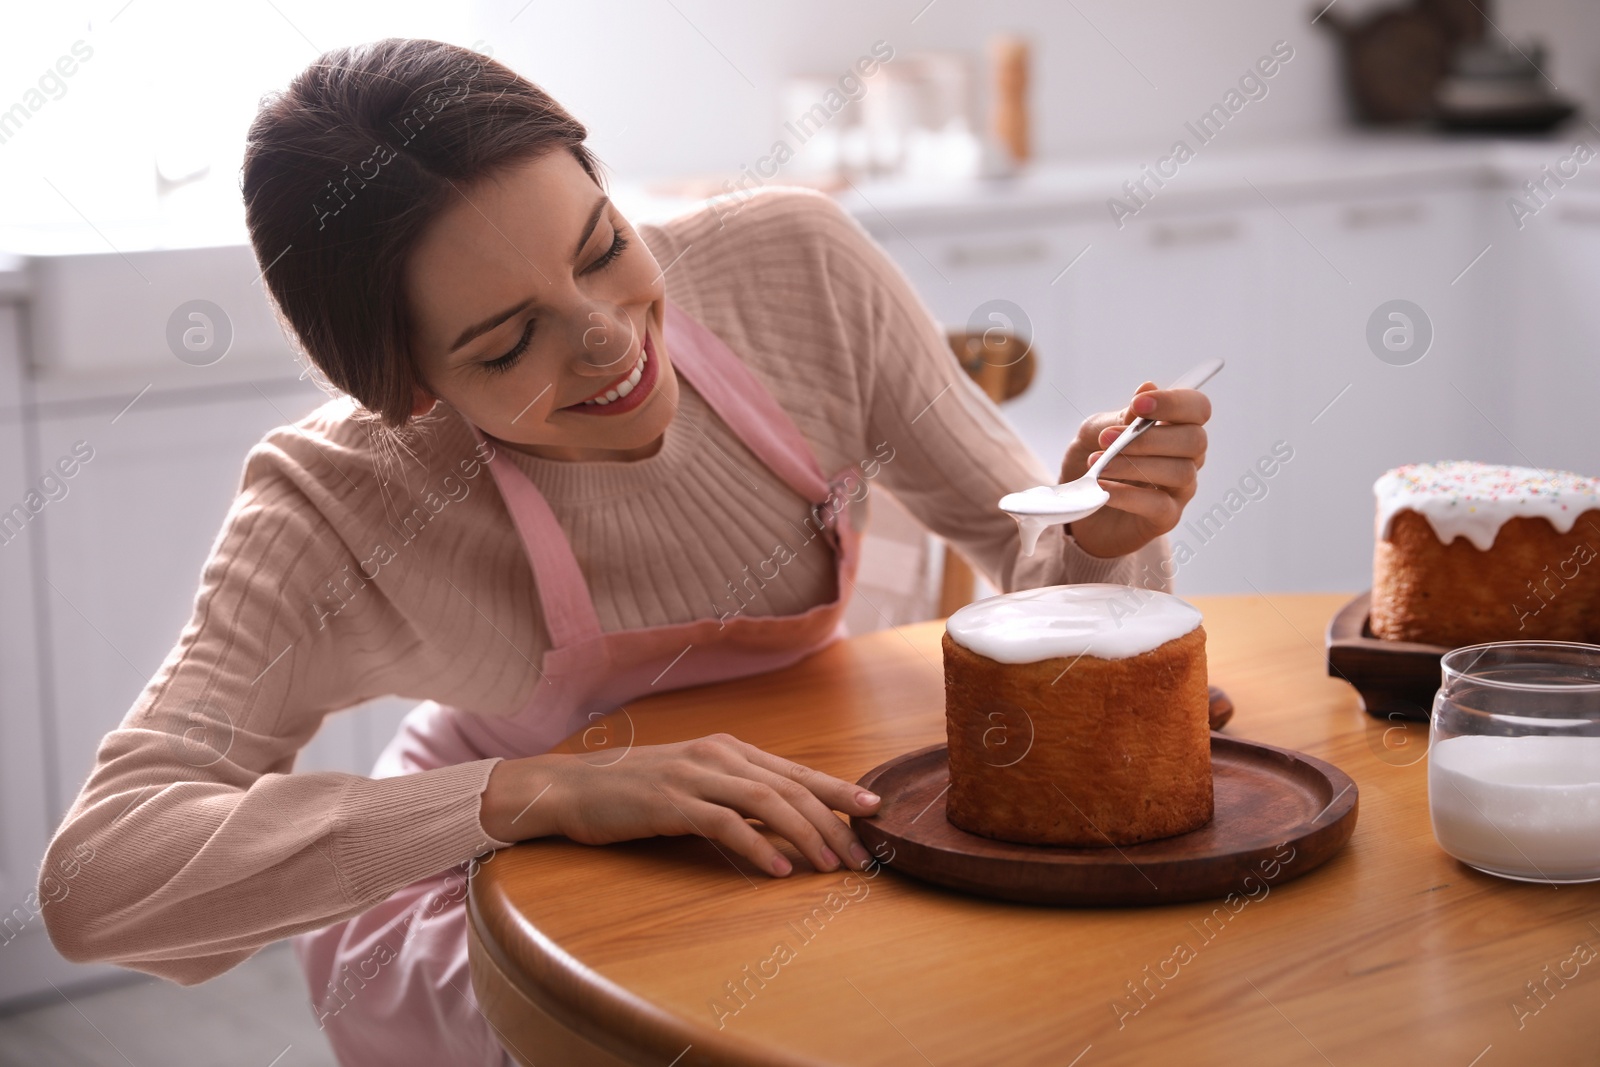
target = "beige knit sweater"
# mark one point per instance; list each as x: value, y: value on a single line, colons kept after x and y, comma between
x: 345, y: 571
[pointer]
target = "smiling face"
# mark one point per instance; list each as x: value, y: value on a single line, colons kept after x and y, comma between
x: 536, y: 311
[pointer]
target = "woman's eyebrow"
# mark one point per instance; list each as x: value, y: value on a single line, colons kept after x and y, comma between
x: 588, y: 227
x: 481, y: 328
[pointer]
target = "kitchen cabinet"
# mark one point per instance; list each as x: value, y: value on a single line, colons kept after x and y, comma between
x: 21, y: 791
x: 1109, y: 308
x: 1553, y: 362
x: 1149, y: 301
x: 125, y: 547
x: 125, y: 550
x: 97, y: 589
x: 1281, y: 278
x: 26, y: 958
x: 1348, y: 414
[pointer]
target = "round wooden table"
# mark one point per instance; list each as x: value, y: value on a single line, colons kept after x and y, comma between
x: 673, y: 952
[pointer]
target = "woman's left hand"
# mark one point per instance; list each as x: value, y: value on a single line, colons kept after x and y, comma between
x: 1149, y: 481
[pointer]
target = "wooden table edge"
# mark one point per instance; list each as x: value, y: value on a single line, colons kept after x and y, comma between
x: 598, y: 1011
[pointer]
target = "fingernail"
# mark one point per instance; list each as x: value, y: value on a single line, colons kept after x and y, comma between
x: 858, y: 853
x: 781, y: 866
x: 865, y: 797
x: 1144, y: 405
x: 829, y: 858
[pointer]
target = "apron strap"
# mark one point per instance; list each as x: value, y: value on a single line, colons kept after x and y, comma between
x: 741, y: 401
x: 569, y: 614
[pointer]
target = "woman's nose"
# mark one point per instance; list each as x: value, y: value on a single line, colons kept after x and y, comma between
x: 603, y: 339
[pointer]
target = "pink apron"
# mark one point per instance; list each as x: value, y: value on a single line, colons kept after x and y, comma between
x: 390, y: 986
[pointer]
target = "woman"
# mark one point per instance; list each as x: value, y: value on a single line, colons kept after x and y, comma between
x: 574, y: 463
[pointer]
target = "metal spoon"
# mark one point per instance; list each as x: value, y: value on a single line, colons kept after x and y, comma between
x: 1052, y: 505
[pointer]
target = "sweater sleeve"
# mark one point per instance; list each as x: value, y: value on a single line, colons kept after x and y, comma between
x: 193, y: 843
x: 954, y: 453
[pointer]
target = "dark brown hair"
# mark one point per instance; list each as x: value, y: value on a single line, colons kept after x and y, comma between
x: 345, y: 168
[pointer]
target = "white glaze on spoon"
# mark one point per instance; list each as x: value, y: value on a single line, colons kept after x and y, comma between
x: 1044, y: 506
x: 1055, y: 505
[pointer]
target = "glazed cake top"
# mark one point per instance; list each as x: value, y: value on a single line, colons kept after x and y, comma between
x: 1102, y: 620
x: 1473, y: 500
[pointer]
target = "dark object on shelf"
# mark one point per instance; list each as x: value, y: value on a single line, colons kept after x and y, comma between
x: 1279, y: 814
x: 1508, y: 120
x: 1395, y: 58
x: 1495, y: 88
x: 1396, y: 679
x: 1008, y: 113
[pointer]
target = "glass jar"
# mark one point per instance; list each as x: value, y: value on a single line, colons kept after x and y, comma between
x: 1514, y: 760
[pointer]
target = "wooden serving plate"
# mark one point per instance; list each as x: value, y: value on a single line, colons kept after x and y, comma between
x: 1278, y: 814
x: 1396, y: 679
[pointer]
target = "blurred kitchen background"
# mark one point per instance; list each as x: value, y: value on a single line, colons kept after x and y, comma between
x: 1385, y: 216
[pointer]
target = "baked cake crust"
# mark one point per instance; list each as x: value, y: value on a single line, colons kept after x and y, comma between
x: 1120, y: 749
x: 1534, y: 584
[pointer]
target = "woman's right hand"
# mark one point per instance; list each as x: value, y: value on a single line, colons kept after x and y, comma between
x: 707, y: 786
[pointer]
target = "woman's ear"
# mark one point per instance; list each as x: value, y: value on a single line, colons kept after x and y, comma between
x: 422, y: 401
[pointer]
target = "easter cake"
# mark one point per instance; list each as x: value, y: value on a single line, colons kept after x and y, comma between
x: 1469, y: 553
x: 1077, y: 715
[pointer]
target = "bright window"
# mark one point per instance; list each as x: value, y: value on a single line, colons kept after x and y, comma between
x: 94, y: 96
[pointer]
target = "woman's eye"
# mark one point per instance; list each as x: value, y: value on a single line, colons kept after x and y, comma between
x: 619, y: 243
x: 507, y: 361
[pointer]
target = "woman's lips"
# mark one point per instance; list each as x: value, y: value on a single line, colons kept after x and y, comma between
x: 648, y: 370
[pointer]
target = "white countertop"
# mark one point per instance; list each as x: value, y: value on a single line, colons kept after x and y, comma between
x: 1310, y: 168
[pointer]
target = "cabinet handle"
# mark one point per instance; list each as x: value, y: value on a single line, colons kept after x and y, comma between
x: 997, y: 254
x: 1377, y: 216
x: 1579, y: 216
x: 1200, y: 233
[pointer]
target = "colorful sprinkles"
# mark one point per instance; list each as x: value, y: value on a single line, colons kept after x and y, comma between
x: 1462, y: 481
x: 1460, y: 498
